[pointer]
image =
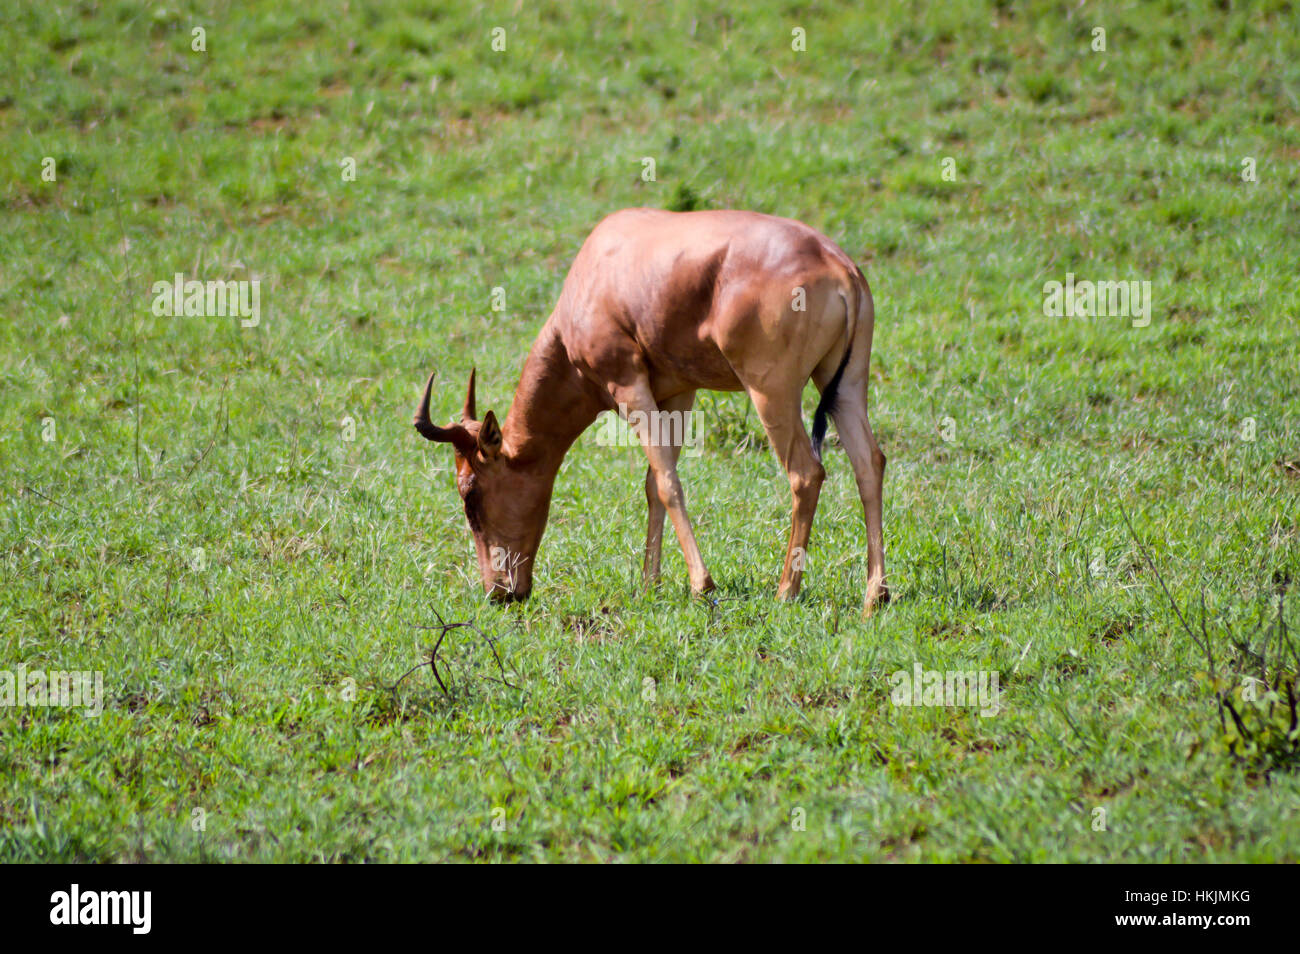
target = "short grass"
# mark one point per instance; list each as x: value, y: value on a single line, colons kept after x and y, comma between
x: 253, y: 584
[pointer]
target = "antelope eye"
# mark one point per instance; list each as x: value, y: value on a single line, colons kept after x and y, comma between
x: 474, y: 509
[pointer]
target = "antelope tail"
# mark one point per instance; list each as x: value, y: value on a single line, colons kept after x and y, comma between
x: 827, y: 403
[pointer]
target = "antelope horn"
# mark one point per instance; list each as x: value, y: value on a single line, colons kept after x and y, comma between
x: 456, y: 435
x: 467, y: 412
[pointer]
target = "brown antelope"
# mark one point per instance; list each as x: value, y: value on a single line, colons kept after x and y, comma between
x: 656, y: 306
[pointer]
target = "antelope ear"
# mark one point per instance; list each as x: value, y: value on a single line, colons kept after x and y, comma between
x: 489, y: 437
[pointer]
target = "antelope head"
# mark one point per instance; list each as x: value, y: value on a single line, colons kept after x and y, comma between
x: 505, y: 504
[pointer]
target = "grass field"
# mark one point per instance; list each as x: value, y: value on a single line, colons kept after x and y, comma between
x: 187, y: 509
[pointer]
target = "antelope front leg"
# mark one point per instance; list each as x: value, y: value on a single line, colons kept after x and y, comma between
x: 654, y: 536
x: 642, y: 413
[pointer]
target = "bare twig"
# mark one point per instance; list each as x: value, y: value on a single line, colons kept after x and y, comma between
x: 221, y: 402
x: 1204, y: 641
x: 135, y: 348
x: 30, y: 489
x: 443, y: 627
x: 1203, y: 644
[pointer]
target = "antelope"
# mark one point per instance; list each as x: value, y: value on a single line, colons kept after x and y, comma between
x: 656, y: 306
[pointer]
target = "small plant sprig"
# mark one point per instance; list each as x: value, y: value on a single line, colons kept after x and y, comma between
x: 1265, y: 730
x: 1257, y: 692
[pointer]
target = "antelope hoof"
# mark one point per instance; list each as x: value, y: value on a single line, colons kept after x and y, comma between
x: 705, y: 587
x: 877, y: 595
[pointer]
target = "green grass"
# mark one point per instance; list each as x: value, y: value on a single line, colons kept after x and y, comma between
x: 253, y: 684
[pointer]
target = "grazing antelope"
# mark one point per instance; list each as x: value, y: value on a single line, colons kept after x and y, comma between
x: 656, y: 306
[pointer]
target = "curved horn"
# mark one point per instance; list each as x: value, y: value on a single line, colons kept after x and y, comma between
x: 467, y: 412
x: 455, y: 435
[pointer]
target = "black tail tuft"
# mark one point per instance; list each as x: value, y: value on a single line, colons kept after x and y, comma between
x: 827, y: 404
